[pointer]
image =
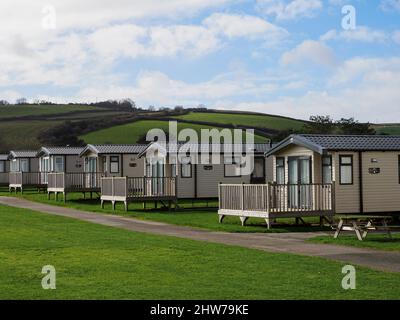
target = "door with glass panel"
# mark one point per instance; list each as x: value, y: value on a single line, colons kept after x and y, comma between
x: 157, y: 177
x: 44, y: 168
x: 91, y: 172
x: 300, y: 191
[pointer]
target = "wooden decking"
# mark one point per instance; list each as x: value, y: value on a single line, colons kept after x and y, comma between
x: 64, y: 183
x: 138, y: 189
x: 271, y: 201
x: 21, y: 180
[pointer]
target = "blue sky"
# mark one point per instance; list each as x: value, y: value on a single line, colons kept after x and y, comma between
x: 287, y: 57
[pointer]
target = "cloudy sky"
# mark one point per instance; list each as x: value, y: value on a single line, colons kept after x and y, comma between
x: 288, y: 57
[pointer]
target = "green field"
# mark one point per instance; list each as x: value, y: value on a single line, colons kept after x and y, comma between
x: 261, y: 121
x: 23, y: 134
x: 373, y: 241
x: 9, y: 111
x: 99, y: 262
x: 132, y: 132
x: 388, y: 129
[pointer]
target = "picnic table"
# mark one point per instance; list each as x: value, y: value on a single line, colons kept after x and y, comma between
x: 362, y: 224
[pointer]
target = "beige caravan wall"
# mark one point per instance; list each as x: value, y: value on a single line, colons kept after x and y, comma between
x: 347, y: 196
x: 381, y: 191
x: 73, y: 164
x: 185, y: 185
x: 133, y: 166
x: 34, y: 164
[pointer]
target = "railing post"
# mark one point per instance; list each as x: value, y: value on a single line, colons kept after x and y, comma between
x: 242, y: 196
x: 267, y: 198
x: 112, y: 187
x: 126, y: 187
x: 333, y: 197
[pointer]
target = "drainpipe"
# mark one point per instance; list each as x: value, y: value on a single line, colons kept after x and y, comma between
x: 360, y: 181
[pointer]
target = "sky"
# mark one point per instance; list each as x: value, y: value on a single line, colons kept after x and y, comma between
x: 288, y: 57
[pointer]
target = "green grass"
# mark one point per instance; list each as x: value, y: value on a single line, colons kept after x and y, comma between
x: 262, y: 121
x: 99, y: 262
x: 388, y: 129
x: 198, y: 217
x: 132, y: 132
x: 373, y: 241
x: 30, y: 110
x: 23, y: 134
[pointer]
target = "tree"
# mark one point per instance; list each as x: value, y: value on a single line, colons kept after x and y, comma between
x: 351, y: 126
x: 21, y: 101
x: 319, y: 125
x: 4, y: 103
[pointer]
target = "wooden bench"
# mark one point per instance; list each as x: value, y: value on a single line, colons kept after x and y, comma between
x: 363, y: 224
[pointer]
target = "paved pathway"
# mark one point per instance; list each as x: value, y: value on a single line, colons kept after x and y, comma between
x: 271, y: 242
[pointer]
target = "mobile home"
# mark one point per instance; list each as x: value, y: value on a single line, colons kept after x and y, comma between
x: 24, y: 170
x: 365, y: 170
x: 4, y: 169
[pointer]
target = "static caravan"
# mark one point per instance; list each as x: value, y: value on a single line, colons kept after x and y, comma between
x: 24, y: 170
x: 198, y: 178
x: 4, y: 169
x: 363, y: 171
x: 114, y: 160
x: 61, y: 169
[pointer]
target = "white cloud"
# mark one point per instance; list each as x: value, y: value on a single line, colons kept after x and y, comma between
x: 233, y: 25
x: 390, y: 5
x: 361, y: 33
x: 309, y: 51
x: 286, y: 10
x: 396, y: 36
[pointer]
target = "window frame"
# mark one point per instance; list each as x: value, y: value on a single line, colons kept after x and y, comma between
x: 283, y: 166
x: 325, y: 165
x: 351, y: 165
x: 190, y: 166
x: 3, y: 164
x: 230, y: 164
x: 113, y: 162
x: 55, y: 163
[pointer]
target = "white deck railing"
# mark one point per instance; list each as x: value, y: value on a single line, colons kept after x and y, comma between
x: 274, y: 198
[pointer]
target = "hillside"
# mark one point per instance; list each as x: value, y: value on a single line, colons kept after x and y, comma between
x: 136, y: 131
x: 31, y: 126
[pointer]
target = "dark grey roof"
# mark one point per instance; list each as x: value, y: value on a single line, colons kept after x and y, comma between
x: 23, y: 154
x: 258, y: 148
x: 114, y: 148
x: 323, y: 143
x: 3, y: 157
x: 60, y: 151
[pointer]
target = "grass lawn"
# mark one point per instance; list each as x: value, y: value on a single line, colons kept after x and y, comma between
x: 373, y: 241
x: 99, y: 262
x: 133, y: 132
x: 262, y: 121
x: 198, y: 217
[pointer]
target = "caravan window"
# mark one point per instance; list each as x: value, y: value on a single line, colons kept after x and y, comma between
x: 186, y: 170
x: 114, y: 164
x: 280, y: 170
x: 232, y: 168
x: 327, y: 169
x: 58, y: 164
x: 14, y: 165
x: 24, y: 165
x: 2, y: 166
x: 346, y: 169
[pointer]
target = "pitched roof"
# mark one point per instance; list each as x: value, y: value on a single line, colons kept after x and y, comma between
x: 23, y: 154
x: 114, y: 148
x: 259, y: 148
x: 323, y: 143
x: 59, y: 151
x: 3, y: 157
